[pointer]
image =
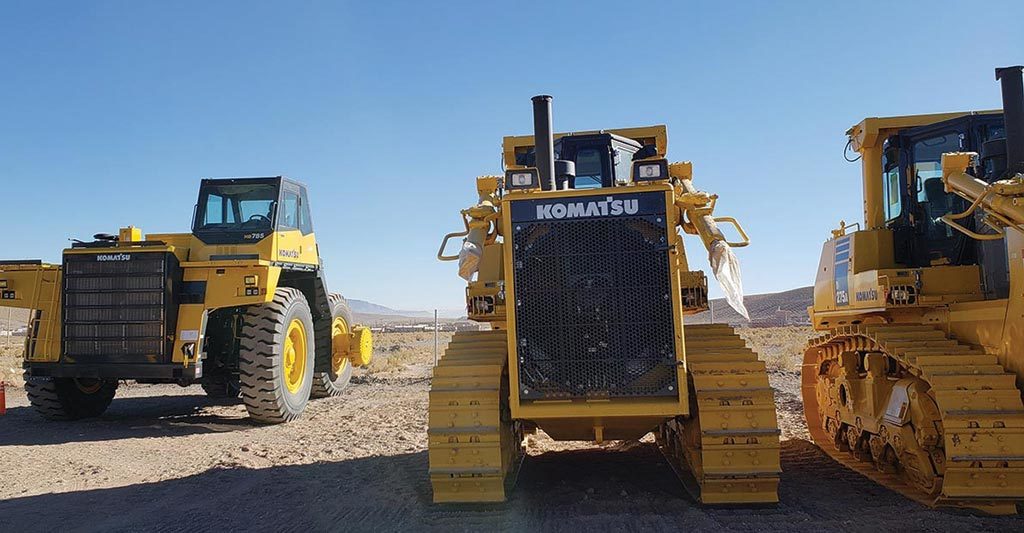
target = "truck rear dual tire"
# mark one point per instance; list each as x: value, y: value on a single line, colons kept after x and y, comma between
x: 333, y: 340
x: 276, y: 357
x: 70, y: 398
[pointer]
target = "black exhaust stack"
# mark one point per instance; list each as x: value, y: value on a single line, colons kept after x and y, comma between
x: 544, y: 141
x: 1013, y: 115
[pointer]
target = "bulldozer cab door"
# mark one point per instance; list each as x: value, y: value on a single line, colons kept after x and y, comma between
x: 914, y: 195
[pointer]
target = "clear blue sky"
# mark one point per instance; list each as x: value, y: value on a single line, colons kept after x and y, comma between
x: 110, y: 112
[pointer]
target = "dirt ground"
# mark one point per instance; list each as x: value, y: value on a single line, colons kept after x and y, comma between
x: 166, y: 458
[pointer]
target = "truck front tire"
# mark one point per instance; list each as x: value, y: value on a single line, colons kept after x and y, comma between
x: 276, y: 357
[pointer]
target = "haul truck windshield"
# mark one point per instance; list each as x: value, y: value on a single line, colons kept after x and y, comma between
x: 241, y: 211
x: 236, y: 207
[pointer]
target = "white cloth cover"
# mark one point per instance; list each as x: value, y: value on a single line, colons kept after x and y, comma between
x: 726, y: 267
x: 469, y: 260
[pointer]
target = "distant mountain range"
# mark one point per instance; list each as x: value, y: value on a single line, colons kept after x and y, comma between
x: 775, y: 309
x: 363, y: 307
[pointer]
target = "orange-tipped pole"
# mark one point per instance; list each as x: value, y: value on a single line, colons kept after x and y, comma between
x: 3, y: 399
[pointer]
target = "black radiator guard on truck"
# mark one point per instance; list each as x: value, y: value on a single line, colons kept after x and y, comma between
x: 119, y: 307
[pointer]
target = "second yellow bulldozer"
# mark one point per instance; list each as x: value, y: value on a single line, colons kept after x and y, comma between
x: 576, y: 261
x: 916, y: 380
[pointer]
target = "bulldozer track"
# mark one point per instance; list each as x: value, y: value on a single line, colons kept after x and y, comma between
x: 474, y: 446
x: 727, y: 452
x: 978, y: 449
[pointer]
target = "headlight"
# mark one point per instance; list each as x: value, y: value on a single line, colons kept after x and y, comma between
x: 650, y: 170
x: 521, y: 179
x: 3, y: 284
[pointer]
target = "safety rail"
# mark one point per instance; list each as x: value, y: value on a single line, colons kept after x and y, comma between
x: 444, y: 242
x: 739, y: 229
x: 1000, y: 232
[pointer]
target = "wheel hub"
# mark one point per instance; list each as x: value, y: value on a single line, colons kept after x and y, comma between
x: 294, y: 356
x: 88, y: 386
x: 339, y: 346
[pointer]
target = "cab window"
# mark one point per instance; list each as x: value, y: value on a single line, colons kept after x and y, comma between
x: 217, y: 211
x: 295, y: 212
x: 623, y: 161
x: 588, y: 169
x: 928, y: 165
x: 256, y: 209
x: 931, y: 193
x: 290, y: 210
x: 236, y: 207
x: 305, y: 222
x: 891, y: 197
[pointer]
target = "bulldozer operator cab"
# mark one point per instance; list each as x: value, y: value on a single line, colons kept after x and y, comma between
x: 247, y: 210
x: 914, y: 197
x: 601, y: 159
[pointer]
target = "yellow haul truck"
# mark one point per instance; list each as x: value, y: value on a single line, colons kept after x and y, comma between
x: 239, y: 305
x: 575, y: 259
x: 917, y: 379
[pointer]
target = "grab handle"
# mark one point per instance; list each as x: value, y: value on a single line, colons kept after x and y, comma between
x: 444, y: 243
x: 999, y: 233
x: 739, y: 229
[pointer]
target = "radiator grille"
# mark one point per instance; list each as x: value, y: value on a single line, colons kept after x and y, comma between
x: 593, y: 307
x: 119, y: 307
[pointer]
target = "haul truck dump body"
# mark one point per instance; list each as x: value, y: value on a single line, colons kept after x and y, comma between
x: 239, y: 305
x: 579, y: 267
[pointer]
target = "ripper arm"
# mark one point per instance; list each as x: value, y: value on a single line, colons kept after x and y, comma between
x: 697, y: 218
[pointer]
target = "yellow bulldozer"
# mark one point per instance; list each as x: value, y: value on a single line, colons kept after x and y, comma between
x: 239, y: 305
x: 575, y: 260
x: 916, y: 381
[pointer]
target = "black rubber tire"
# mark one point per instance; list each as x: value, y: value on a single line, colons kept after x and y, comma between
x: 221, y: 384
x: 64, y: 399
x: 328, y: 383
x: 260, y: 361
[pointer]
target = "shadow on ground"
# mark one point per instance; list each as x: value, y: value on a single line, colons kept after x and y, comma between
x: 575, y: 490
x: 127, y: 418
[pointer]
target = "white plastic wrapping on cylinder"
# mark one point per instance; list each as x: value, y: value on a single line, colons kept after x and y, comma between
x: 726, y: 267
x: 469, y: 260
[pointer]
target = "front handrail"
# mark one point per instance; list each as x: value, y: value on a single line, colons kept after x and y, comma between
x: 949, y: 220
x: 739, y: 229
x: 999, y: 233
x: 444, y: 242
x: 843, y: 226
